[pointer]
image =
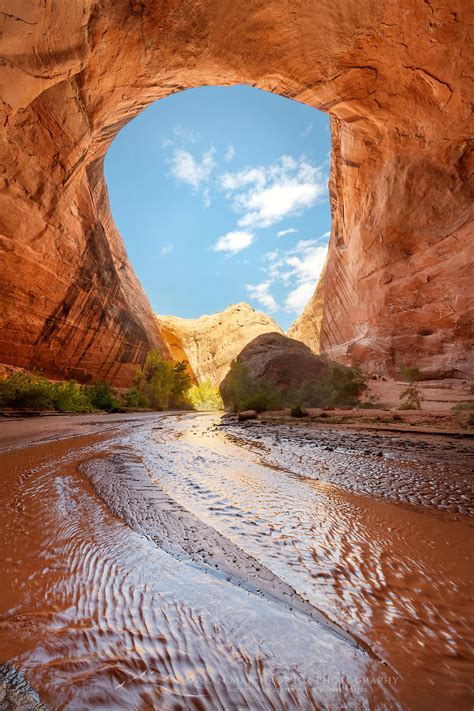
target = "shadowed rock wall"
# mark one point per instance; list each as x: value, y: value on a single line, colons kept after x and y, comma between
x: 397, y: 80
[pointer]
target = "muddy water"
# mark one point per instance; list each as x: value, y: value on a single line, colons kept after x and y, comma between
x: 165, y: 567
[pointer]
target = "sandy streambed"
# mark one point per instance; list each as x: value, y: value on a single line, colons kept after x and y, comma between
x: 418, y: 470
x: 165, y: 566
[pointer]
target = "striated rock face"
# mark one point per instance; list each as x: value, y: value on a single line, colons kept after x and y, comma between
x: 398, y: 83
x: 396, y: 286
x: 210, y: 343
x: 287, y: 363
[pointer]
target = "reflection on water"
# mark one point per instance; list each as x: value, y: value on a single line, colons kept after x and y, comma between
x: 97, y: 615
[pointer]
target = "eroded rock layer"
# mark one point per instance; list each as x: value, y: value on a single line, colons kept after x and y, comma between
x: 210, y: 343
x: 397, y: 80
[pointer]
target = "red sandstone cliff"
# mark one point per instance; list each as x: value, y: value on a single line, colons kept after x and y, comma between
x: 397, y: 80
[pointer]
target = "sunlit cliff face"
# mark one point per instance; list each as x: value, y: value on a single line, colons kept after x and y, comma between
x: 398, y: 263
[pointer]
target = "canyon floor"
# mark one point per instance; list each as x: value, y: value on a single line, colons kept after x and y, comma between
x: 178, y: 561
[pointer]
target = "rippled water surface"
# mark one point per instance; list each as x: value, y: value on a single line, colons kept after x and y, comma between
x: 165, y: 567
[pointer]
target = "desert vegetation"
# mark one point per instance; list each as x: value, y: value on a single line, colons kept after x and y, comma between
x: 411, y: 398
x: 205, y: 396
x: 158, y: 385
x: 339, y: 386
x: 32, y: 391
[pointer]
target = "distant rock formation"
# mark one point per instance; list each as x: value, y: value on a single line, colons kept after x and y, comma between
x: 287, y: 363
x: 210, y: 343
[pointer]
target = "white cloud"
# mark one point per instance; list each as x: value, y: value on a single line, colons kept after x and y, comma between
x: 242, y: 178
x: 299, y: 297
x: 230, y: 152
x: 306, y: 260
x: 181, y: 135
x: 260, y: 293
x: 297, y: 270
x: 290, y: 231
x: 233, y: 242
x: 187, y: 169
x: 273, y: 204
x: 266, y: 195
x: 305, y: 265
x: 307, y: 130
x: 188, y: 135
x: 166, y: 249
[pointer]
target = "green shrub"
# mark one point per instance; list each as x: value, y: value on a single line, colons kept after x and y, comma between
x: 205, y: 396
x: 240, y: 392
x: 102, y: 396
x: 338, y: 387
x: 160, y: 384
x: 70, y: 397
x: 347, y: 384
x: 373, y: 403
x: 259, y: 401
x: 237, y: 386
x: 26, y: 390
x: 298, y: 411
x: 33, y: 391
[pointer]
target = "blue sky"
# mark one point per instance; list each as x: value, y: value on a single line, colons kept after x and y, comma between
x: 220, y: 194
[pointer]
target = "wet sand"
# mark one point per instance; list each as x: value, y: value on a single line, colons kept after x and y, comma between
x: 404, y: 467
x: 131, y: 560
x: 19, y: 432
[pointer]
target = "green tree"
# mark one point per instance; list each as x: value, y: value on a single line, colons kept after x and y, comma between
x: 161, y: 383
x: 181, y: 384
x: 205, y: 396
x: 158, y: 380
x: 134, y: 399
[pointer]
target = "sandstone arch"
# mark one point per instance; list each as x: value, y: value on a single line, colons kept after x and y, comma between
x: 397, y: 82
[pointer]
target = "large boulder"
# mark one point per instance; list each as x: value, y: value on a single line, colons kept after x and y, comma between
x: 247, y: 415
x: 285, y: 362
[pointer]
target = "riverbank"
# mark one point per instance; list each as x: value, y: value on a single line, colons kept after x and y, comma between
x: 27, y: 431
x: 418, y: 422
x: 413, y: 467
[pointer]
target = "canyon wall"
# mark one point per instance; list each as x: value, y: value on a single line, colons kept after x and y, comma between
x: 210, y: 343
x: 397, y: 80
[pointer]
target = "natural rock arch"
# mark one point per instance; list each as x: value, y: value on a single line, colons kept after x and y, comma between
x: 395, y: 78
